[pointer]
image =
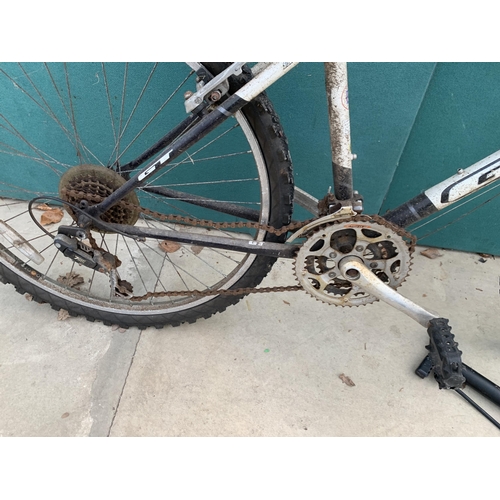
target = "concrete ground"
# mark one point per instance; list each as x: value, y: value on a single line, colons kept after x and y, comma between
x: 269, y: 366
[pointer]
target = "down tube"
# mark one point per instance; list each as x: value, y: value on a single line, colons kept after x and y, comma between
x: 463, y: 183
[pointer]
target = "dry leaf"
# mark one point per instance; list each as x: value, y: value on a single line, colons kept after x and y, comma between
x: 431, y: 253
x: 63, y: 315
x: 169, y: 246
x: 123, y: 288
x: 72, y: 280
x: 196, y: 249
x: 52, y: 216
x: 486, y: 255
x: 43, y: 206
x: 347, y: 380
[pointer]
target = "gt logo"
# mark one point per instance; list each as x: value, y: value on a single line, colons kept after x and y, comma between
x: 152, y: 168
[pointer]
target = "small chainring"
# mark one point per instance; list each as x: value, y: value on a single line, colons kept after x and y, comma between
x: 95, y: 182
x: 383, y: 248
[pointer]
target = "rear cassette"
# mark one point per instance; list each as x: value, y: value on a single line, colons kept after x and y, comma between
x: 95, y: 182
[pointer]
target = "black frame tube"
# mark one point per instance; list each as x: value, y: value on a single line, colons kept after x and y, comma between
x: 271, y: 249
x: 200, y: 201
x: 481, y: 384
x: 177, y: 147
x: 410, y: 212
x: 160, y: 145
x: 473, y: 379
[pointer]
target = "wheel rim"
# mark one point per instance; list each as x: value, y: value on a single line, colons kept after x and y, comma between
x: 188, y: 267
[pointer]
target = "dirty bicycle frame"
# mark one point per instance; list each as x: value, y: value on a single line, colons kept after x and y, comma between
x: 192, y: 129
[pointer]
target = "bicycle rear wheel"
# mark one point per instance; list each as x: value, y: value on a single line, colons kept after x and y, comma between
x: 55, y: 117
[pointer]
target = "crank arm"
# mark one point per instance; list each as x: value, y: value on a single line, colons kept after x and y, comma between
x: 445, y: 355
x: 353, y: 269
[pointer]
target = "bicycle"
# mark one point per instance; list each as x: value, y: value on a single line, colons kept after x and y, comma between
x: 123, y: 233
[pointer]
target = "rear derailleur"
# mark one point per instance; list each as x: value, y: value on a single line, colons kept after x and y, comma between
x: 69, y: 241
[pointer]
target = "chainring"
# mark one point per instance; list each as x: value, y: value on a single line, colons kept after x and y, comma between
x: 95, y: 182
x: 383, y: 248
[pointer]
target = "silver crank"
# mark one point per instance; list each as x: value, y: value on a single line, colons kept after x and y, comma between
x: 353, y: 270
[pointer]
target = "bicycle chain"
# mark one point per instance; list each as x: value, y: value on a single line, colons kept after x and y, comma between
x: 230, y: 225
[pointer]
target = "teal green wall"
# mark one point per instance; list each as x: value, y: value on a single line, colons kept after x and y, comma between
x: 27, y: 91
x: 457, y: 124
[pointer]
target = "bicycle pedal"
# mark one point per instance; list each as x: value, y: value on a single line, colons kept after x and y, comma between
x: 445, y: 355
x: 425, y: 367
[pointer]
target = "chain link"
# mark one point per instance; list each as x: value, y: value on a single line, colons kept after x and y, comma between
x: 80, y: 195
x: 92, y: 197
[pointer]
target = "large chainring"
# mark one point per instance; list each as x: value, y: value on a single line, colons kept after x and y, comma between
x: 383, y: 248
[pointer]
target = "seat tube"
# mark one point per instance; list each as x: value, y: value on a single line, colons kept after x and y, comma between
x: 340, y: 128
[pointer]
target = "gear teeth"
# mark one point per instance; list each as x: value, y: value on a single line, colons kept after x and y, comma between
x: 377, y: 220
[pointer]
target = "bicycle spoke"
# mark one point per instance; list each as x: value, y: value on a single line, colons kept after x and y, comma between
x: 149, y: 264
x: 189, y: 158
x: 63, y: 103
x: 27, y: 191
x: 46, y: 109
x: 204, y: 183
x: 42, y: 236
x: 15, y: 216
x: 153, y: 117
x: 17, y: 134
x: 13, y: 203
x: 196, y: 255
x: 14, y: 152
x: 122, y: 110
x: 194, y: 161
x: 72, y: 111
x: 46, y: 274
x: 164, y: 258
x: 138, y: 100
x: 110, y: 106
x: 178, y: 268
x: 133, y: 260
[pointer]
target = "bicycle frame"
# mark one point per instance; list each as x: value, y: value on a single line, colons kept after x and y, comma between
x: 436, y: 198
